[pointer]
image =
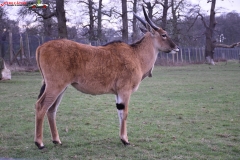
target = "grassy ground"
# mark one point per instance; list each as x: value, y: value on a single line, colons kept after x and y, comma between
x: 187, y: 112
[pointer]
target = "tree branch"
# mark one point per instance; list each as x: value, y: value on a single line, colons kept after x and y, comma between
x: 83, y: 2
x: 117, y: 12
x: 203, y: 20
x: 193, y: 23
x: 45, y: 16
x: 227, y: 46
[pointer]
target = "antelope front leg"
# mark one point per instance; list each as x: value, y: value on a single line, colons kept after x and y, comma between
x: 122, y: 108
x: 122, y: 115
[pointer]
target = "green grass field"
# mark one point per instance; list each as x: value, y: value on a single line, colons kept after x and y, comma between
x: 187, y: 112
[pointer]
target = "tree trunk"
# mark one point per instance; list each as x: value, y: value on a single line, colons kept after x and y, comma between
x: 150, y: 10
x: 175, y: 30
x: 209, y: 45
x: 60, y: 13
x: 135, y: 30
x: 164, y: 14
x: 99, y: 16
x: 91, y: 18
x: 124, y: 21
x: 47, y: 23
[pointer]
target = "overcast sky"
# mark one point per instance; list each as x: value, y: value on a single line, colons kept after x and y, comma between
x: 225, y: 5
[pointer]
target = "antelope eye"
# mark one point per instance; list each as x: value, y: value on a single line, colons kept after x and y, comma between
x: 164, y: 35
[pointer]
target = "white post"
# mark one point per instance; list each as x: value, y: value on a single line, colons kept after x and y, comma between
x: 189, y: 58
x: 181, y: 55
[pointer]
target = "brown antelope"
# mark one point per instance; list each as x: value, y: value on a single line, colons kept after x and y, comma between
x: 116, y: 68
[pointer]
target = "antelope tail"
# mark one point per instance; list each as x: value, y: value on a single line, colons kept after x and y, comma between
x: 39, y: 66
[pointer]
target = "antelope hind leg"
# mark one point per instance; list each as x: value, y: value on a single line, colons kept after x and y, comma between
x: 46, y: 100
x: 41, y: 109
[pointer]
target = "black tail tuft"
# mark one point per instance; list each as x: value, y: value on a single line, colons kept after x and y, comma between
x: 42, y: 90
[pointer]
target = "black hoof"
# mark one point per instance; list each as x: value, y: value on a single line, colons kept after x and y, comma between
x: 125, y: 143
x: 39, y: 146
x: 56, y: 142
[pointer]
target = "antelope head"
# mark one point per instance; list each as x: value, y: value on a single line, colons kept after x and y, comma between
x: 161, y: 40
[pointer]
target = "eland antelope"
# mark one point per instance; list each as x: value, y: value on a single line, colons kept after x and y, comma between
x: 115, y: 68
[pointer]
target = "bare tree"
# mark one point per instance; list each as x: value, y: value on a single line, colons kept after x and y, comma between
x: 165, y: 4
x: 91, y: 18
x: 210, y: 42
x: 58, y: 12
x: 209, y: 47
x: 227, y: 29
x: 47, y: 23
x: 149, y: 8
x: 95, y: 11
x: 134, y: 22
x: 2, y: 30
x: 44, y: 16
x: 99, y: 17
x: 91, y: 14
x: 100, y: 12
x: 176, y: 9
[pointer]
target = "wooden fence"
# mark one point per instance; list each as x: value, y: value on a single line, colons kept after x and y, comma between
x: 22, y: 51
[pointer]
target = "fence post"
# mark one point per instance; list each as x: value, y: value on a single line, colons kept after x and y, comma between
x: 223, y: 54
x: 177, y: 57
x: 181, y: 55
x: 229, y: 55
x: 173, y: 58
x: 28, y: 47
x: 21, y: 46
x: 185, y: 55
x: 21, y: 53
x: 42, y: 39
x: 200, y: 54
x: 196, y: 51
x: 167, y: 58
x: 10, y: 46
x: 239, y: 56
x: 189, y: 58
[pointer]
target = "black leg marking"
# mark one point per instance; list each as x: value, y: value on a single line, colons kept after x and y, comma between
x: 120, y: 106
x: 39, y: 146
x: 125, y: 143
x: 42, y: 90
